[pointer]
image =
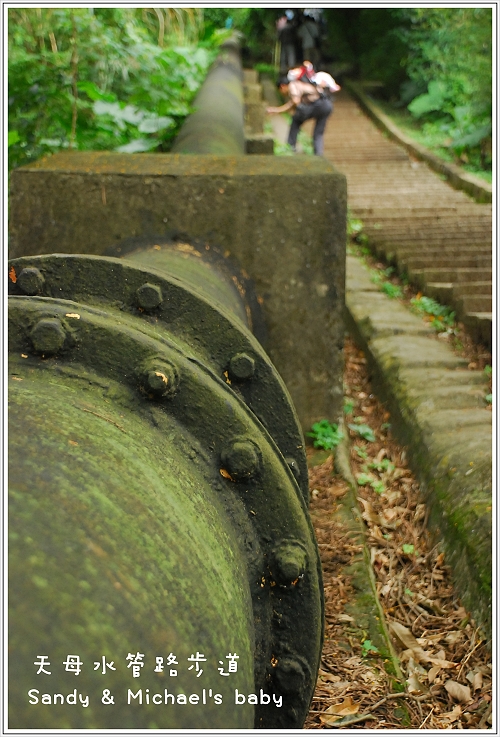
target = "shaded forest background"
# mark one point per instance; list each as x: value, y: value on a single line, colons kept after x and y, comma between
x: 125, y: 78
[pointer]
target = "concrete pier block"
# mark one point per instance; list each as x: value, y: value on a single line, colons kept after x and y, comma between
x: 282, y: 219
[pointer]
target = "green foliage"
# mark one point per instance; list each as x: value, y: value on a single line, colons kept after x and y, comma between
x: 408, y: 549
x: 450, y: 60
x: 367, y: 648
x: 348, y: 405
x: 392, y: 290
x: 103, y: 78
x: 325, y: 434
x: 266, y: 69
x: 436, y: 60
x: 364, y: 431
x: 488, y: 398
x: 442, y: 316
x: 361, y: 452
x: 488, y: 370
x: 283, y: 149
x: 305, y: 142
x: 381, y: 47
x: 366, y: 479
x: 385, y: 465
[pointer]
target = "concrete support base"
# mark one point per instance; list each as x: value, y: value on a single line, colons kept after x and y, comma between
x: 282, y: 219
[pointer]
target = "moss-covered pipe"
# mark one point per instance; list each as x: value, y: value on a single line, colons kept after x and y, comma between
x: 216, y: 127
x: 155, y: 511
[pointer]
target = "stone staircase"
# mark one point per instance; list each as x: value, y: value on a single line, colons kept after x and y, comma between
x: 438, y: 236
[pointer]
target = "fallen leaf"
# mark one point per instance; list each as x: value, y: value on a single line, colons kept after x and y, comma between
x: 478, y: 682
x: 457, y: 691
x: 369, y: 515
x: 431, y: 675
x: 429, y: 658
x: 391, y: 496
x: 332, y: 687
x: 352, y: 662
x: 345, y: 708
x: 452, y: 716
x: 476, y: 678
x: 386, y: 588
x: 353, y: 719
x: 226, y: 474
x: 414, y: 685
x: 329, y: 719
x: 404, y: 635
x: 12, y: 275
x: 328, y: 676
x: 345, y: 618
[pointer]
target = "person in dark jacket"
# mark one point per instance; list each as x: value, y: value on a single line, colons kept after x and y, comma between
x: 288, y: 40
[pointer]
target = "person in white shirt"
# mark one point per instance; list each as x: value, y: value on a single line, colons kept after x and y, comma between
x: 307, y: 101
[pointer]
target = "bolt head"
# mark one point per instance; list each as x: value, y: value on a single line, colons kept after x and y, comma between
x: 241, y: 366
x: 293, y: 466
x: 149, y: 296
x: 30, y: 281
x: 290, y: 675
x: 161, y: 379
x: 289, y: 561
x: 241, y: 459
x: 48, y: 336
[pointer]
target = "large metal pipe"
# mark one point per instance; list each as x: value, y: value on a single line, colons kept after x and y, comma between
x: 158, y: 505
x: 217, y: 125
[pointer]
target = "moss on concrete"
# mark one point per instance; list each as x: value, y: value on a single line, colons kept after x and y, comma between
x: 281, y: 218
x: 448, y: 435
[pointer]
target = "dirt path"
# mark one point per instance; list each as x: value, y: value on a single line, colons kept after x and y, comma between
x: 444, y: 681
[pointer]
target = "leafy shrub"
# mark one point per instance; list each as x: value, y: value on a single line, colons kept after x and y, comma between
x: 101, y: 78
x: 325, y: 435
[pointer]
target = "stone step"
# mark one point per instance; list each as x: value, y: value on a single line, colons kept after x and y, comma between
x: 471, y: 288
x: 436, y: 238
x: 474, y: 303
x: 452, y: 292
x: 394, y: 200
x: 411, y: 215
x: 429, y: 253
x: 387, y: 213
x: 480, y: 326
x: 454, y: 276
x: 476, y: 261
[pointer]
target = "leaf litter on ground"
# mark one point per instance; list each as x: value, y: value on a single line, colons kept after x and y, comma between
x: 443, y: 657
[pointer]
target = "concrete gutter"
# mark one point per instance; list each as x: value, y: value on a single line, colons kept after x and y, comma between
x: 475, y: 187
x: 439, y: 413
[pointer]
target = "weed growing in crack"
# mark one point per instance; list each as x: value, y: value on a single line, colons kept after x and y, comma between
x: 442, y: 317
x: 364, y: 431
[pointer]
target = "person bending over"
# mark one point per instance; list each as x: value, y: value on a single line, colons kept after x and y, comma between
x: 307, y: 101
